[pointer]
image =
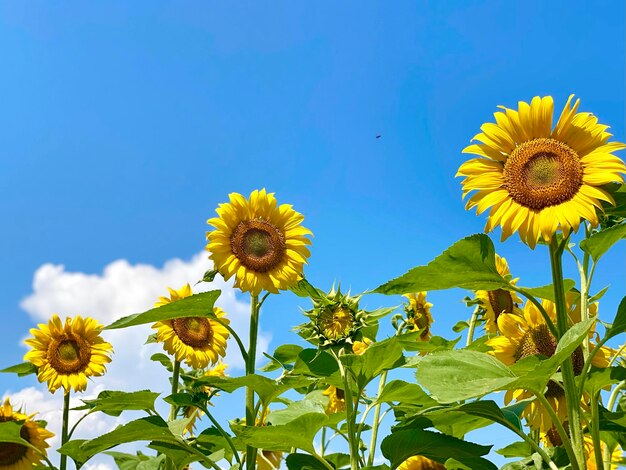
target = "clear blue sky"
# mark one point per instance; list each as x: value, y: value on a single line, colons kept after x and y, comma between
x: 123, y: 125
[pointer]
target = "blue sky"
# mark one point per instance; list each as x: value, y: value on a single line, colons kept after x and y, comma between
x: 125, y: 124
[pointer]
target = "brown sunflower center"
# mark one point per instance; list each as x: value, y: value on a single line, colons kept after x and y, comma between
x: 542, y: 173
x: 336, y: 322
x: 258, y: 244
x: 193, y: 331
x: 11, y: 453
x: 500, y: 301
x: 68, y: 355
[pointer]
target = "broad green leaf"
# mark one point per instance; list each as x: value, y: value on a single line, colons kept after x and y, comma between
x: 136, y: 462
x: 460, y: 326
x: 619, y: 323
x: 547, y: 292
x: 305, y: 289
x: 177, y: 453
x: 600, y: 378
x: 380, y: 356
x: 400, y: 445
x: 298, y: 433
x: 114, y: 402
x: 434, y: 343
x: 517, y: 449
x: 10, y: 432
x: 197, y: 305
x: 25, y: 368
x: 469, y: 263
x: 152, y: 428
x: 211, y: 440
x: 462, y: 374
x: 339, y: 460
x: 303, y: 462
x: 316, y: 363
x: 600, y: 242
x: 314, y: 402
x: 407, y: 393
x: 284, y: 355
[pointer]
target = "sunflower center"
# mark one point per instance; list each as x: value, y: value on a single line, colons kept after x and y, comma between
x: 336, y: 322
x: 500, y: 301
x: 258, y: 244
x: 537, y: 340
x: 68, y: 355
x: 11, y: 453
x: 193, y: 331
x: 542, y: 172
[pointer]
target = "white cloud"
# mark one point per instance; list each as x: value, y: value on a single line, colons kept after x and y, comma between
x: 121, y: 289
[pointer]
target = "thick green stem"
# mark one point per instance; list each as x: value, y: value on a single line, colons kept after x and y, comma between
x: 64, y: 429
x: 175, y: 377
x: 376, y: 423
x: 472, y: 327
x: 350, y: 417
x: 567, y: 369
x: 250, y: 369
x: 595, y: 431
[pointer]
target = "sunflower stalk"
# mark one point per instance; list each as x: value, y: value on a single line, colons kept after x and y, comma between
x: 169, y: 464
x: 472, y: 327
x: 376, y: 422
x: 350, y: 416
x: 250, y: 368
x: 595, y: 431
x: 65, y: 427
x: 567, y: 369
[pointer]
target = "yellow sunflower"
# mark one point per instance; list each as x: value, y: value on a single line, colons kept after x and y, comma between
x: 538, y: 179
x: 529, y: 335
x: 17, y: 456
x: 418, y: 313
x: 419, y: 462
x: 67, y: 353
x: 496, y: 302
x: 199, y: 341
x: 616, y: 455
x: 336, y: 400
x: 263, y: 245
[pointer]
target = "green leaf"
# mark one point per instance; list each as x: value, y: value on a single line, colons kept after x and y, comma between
x: 305, y: 289
x: 517, y: 449
x: 152, y: 428
x: 113, y: 403
x: 380, y: 356
x: 25, y: 368
x: 298, y: 433
x: 197, y: 305
x: 400, y: 445
x: 303, y: 462
x: 136, y: 462
x: 434, y: 343
x: 619, y: 323
x: 547, y: 292
x: 209, y: 276
x: 407, y: 393
x: 283, y: 356
x: 600, y: 378
x: 10, y: 432
x: 462, y: 374
x: 600, y: 242
x: 314, y: 402
x: 316, y: 363
x: 164, y: 360
x: 460, y: 326
x: 469, y: 263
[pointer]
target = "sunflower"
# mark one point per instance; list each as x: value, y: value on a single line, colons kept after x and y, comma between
x: 537, y: 179
x: 199, y: 341
x: 15, y: 456
x: 529, y: 335
x: 418, y: 314
x: 336, y: 400
x: 616, y: 455
x: 67, y: 353
x: 262, y: 245
x: 496, y: 302
x: 419, y: 462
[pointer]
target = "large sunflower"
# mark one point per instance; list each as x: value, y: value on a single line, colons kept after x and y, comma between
x: 67, y: 353
x: 538, y: 179
x: 15, y: 456
x: 419, y: 462
x: 199, y: 341
x: 496, y: 302
x: 529, y: 335
x: 263, y: 245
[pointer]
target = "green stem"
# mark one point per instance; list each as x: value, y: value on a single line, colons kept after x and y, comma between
x: 250, y: 369
x: 69, y: 435
x: 472, y: 327
x: 64, y: 433
x: 175, y: 376
x: 323, y: 461
x: 242, y: 349
x: 606, y: 453
x: 224, y: 434
x: 595, y: 431
x: 567, y: 443
x: 323, y: 446
x: 546, y: 458
x: 350, y: 417
x: 567, y: 369
x: 375, y: 423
